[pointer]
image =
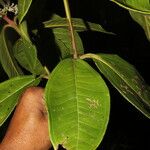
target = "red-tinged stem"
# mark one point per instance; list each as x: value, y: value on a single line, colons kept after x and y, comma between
x: 11, y: 23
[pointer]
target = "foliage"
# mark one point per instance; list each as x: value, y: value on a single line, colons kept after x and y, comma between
x: 139, y: 11
x: 77, y: 97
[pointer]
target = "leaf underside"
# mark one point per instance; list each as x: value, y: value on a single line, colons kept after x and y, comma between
x: 64, y: 43
x: 141, y: 6
x: 78, y: 24
x: 24, y: 30
x: 26, y: 54
x: 143, y: 21
x: 139, y: 11
x: 125, y: 78
x: 23, y: 7
x: 10, y: 91
x: 78, y: 103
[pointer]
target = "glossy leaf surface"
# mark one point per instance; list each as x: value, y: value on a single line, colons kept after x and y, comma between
x: 125, y: 78
x: 78, y: 103
x: 23, y: 7
x: 26, y: 54
x: 7, y: 59
x: 10, y: 91
x: 63, y: 41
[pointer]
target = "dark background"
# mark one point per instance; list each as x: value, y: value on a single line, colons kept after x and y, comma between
x: 128, y: 129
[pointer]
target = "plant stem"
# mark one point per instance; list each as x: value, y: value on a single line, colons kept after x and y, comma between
x: 11, y: 23
x: 68, y: 15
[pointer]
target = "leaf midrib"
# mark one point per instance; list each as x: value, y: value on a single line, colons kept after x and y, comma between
x: 76, y: 96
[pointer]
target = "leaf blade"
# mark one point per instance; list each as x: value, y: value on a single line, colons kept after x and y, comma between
x: 125, y: 78
x: 78, y: 24
x: 63, y: 41
x: 24, y: 30
x: 10, y: 91
x: 6, y: 56
x: 78, y: 100
x: 23, y: 7
x: 143, y: 20
x: 26, y: 54
x: 139, y: 11
x: 136, y: 6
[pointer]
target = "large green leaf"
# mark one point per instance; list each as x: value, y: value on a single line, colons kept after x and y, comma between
x: 139, y: 11
x: 6, y: 56
x: 10, y: 91
x: 26, y: 54
x: 78, y: 103
x: 125, y: 78
x: 78, y: 24
x: 63, y: 41
x: 23, y: 7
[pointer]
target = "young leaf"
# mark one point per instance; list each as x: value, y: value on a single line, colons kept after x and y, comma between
x: 23, y: 7
x: 26, y: 54
x: 63, y: 41
x: 78, y: 104
x: 6, y: 56
x: 10, y: 91
x: 78, y: 24
x: 125, y: 78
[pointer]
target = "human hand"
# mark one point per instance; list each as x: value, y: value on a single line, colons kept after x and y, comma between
x: 28, y: 129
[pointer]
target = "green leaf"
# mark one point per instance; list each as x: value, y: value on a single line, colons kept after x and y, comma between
x: 26, y: 54
x: 78, y: 103
x: 10, y: 92
x: 63, y: 41
x: 125, y: 78
x: 23, y: 7
x: 78, y: 24
x: 141, y: 6
x: 139, y: 11
x: 24, y: 31
x: 6, y: 56
x: 143, y: 21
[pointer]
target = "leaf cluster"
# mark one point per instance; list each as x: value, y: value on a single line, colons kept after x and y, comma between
x: 76, y: 95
